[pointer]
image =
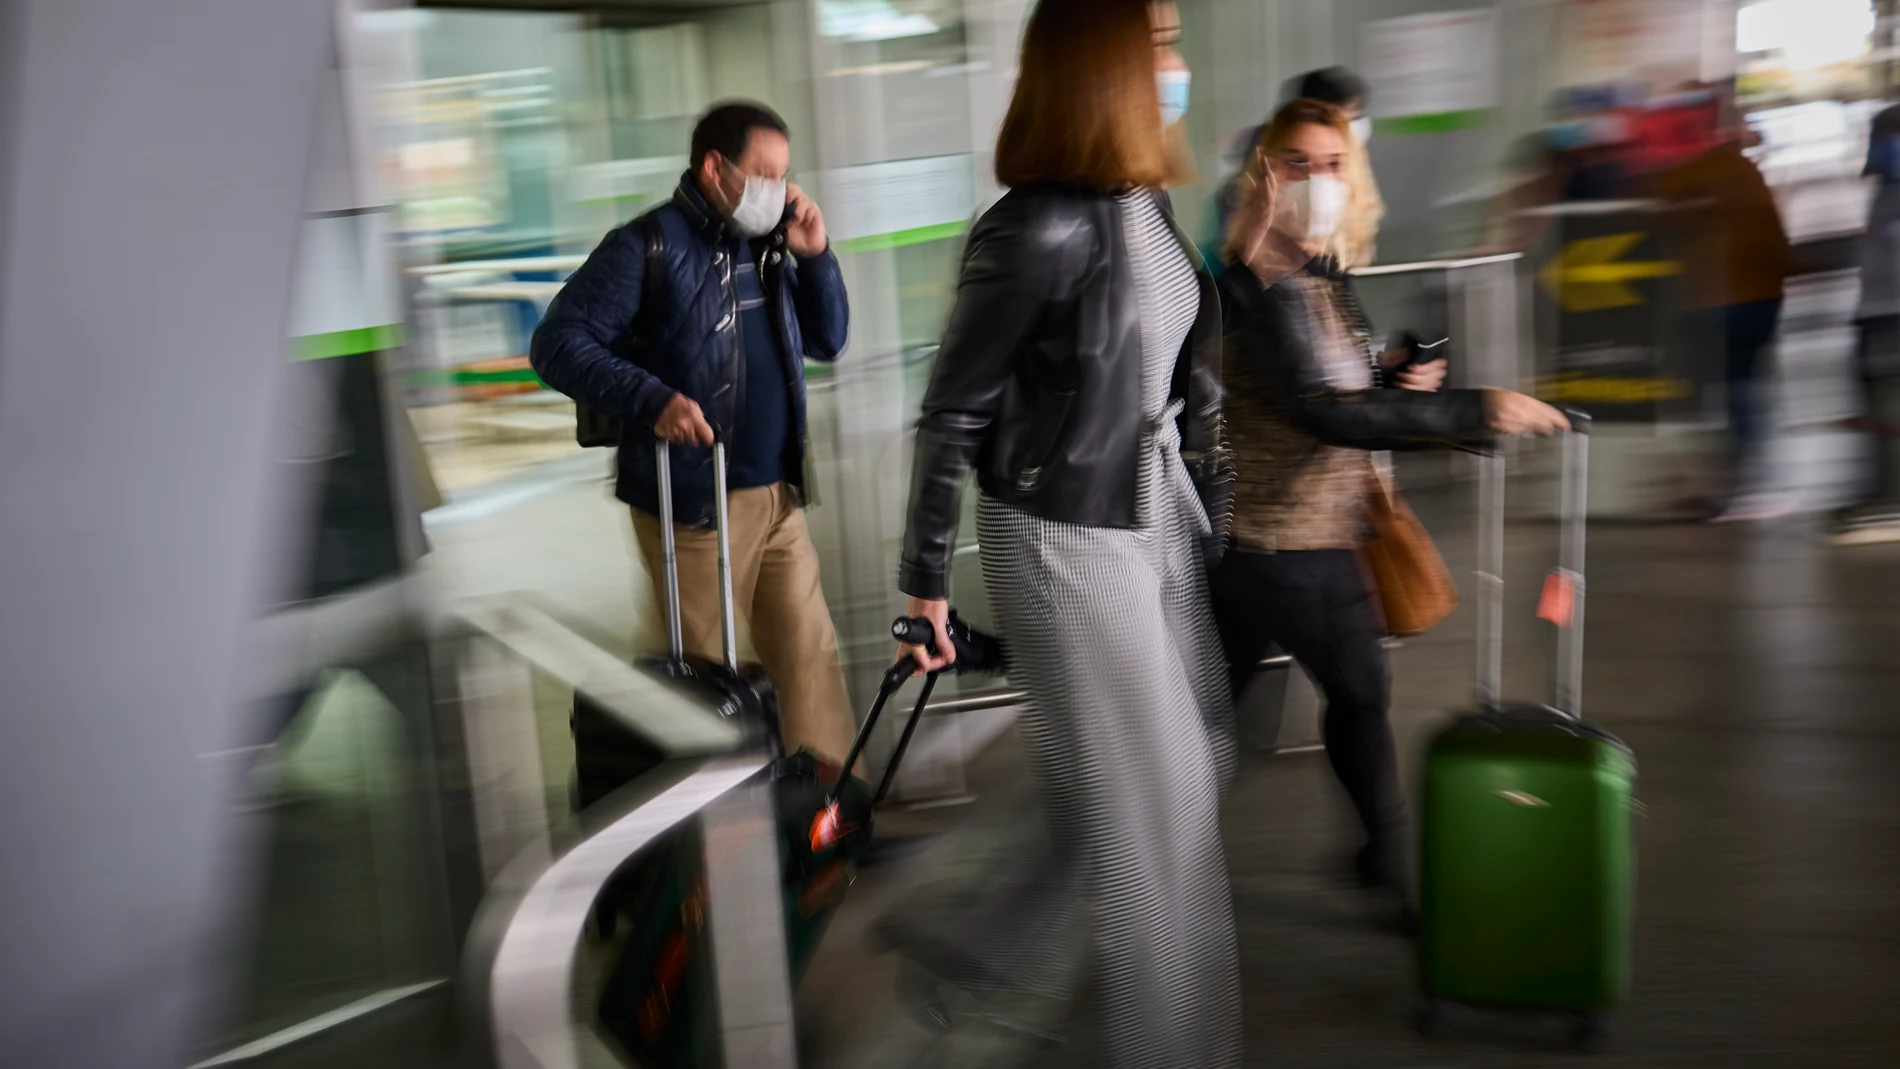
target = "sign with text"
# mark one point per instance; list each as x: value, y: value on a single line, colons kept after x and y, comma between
x: 1606, y: 307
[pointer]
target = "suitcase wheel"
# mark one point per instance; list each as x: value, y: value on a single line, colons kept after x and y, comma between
x: 1429, y: 1018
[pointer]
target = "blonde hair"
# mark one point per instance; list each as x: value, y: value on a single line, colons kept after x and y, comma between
x: 1352, y: 244
x: 1085, y: 110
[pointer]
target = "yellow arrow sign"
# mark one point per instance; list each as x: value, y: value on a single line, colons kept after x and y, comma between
x: 1587, y: 276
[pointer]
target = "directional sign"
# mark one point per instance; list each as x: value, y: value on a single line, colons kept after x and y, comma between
x: 1590, y: 276
x: 1608, y: 313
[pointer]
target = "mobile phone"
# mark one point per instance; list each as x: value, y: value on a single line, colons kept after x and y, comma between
x: 1418, y: 350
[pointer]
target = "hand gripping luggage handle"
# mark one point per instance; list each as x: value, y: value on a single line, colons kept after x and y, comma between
x: 976, y: 652
x: 1573, y: 510
x: 669, y: 556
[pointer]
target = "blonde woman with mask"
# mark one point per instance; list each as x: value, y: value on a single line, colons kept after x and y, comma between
x: 1308, y: 400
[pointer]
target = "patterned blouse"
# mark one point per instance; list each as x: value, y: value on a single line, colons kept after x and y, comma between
x: 1291, y: 490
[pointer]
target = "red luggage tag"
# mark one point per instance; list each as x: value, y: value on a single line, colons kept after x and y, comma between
x: 829, y: 828
x: 826, y: 828
x: 1559, y: 601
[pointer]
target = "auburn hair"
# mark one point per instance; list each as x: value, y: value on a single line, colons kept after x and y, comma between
x: 1352, y: 243
x: 1085, y: 111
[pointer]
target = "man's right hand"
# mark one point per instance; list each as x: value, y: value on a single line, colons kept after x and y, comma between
x: 1513, y: 414
x: 682, y: 422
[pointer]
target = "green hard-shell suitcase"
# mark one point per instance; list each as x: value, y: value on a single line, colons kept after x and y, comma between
x: 1526, y: 859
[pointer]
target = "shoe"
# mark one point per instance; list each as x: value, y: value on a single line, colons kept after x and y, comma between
x: 1376, y: 867
x: 1375, y: 873
x: 1406, y: 919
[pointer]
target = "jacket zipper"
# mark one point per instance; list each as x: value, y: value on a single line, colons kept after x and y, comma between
x: 737, y: 382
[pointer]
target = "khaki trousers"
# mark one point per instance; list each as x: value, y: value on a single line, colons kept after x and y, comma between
x: 775, y: 589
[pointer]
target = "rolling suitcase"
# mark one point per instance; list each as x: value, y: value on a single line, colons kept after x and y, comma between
x: 1526, y: 860
x: 657, y: 998
x: 606, y: 755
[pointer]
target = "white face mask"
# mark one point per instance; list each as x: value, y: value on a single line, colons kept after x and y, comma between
x: 761, y: 207
x: 1172, y: 88
x: 1362, y: 129
x: 1314, y: 207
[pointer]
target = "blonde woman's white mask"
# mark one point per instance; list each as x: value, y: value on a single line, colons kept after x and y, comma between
x: 1315, y: 206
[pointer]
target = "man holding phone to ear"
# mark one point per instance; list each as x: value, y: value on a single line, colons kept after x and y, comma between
x: 695, y: 320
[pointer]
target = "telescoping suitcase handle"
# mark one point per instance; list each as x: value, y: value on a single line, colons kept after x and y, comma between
x: 1572, y: 514
x: 976, y: 652
x: 669, y: 556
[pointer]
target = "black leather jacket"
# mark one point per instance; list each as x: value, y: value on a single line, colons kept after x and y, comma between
x: 1038, y: 383
x: 1271, y: 340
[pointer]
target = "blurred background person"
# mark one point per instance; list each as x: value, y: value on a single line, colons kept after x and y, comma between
x: 1736, y: 263
x: 1329, y: 85
x: 1582, y: 154
x: 1589, y: 143
x: 1874, y: 512
x: 1339, y: 87
x: 735, y: 235
x: 1076, y: 366
x: 1304, y: 412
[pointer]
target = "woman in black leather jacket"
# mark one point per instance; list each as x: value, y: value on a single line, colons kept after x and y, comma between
x: 1075, y: 372
x: 1305, y: 412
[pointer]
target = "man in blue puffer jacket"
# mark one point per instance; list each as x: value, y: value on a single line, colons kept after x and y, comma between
x: 745, y: 289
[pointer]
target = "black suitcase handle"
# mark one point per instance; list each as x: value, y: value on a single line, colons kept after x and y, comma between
x: 976, y: 652
x: 669, y: 555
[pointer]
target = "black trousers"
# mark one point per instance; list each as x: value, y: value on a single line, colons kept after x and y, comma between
x: 1316, y: 605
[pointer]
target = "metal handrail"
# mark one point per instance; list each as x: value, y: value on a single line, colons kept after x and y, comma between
x: 650, y: 707
x: 1003, y: 697
x: 526, y: 940
x: 521, y: 957
x: 519, y: 964
x: 1422, y: 266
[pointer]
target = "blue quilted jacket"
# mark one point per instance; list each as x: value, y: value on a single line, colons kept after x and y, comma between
x: 590, y: 347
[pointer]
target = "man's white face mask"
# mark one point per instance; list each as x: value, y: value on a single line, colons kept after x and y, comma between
x: 761, y: 206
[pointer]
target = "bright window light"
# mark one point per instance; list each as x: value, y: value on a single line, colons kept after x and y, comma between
x: 1808, y: 33
x: 870, y: 20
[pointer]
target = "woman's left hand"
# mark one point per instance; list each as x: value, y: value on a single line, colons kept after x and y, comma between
x: 1425, y: 378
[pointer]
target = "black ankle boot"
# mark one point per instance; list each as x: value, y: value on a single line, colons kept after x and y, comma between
x: 1380, y: 871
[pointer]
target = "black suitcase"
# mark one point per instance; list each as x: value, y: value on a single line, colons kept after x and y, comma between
x: 657, y: 999
x: 607, y: 756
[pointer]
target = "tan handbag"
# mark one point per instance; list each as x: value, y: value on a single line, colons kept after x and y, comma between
x: 1415, y: 588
